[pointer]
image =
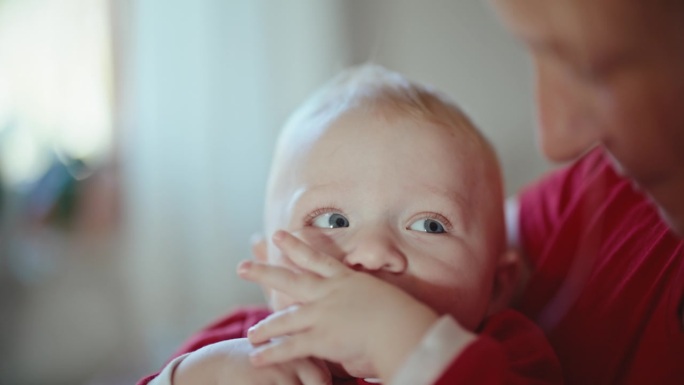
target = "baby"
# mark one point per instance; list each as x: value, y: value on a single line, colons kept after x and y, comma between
x: 384, y: 204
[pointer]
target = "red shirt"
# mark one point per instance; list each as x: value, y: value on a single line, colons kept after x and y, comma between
x: 608, y: 277
x: 510, y: 349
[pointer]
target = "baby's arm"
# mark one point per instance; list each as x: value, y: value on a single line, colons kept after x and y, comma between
x: 227, y: 363
x: 219, y: 355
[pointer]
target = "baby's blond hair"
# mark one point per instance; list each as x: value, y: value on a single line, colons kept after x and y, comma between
x: 375, y: 88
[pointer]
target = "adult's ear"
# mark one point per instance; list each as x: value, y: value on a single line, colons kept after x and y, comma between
x: 259, y: 247
x: 506, y: 279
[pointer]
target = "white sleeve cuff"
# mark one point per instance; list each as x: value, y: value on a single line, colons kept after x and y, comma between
x: 165, y: 377
x: 438, y: 348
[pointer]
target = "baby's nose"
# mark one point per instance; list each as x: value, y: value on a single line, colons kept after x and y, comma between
x: 376, y: 252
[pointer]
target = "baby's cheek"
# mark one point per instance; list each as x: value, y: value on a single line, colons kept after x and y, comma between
x: 453, y: 291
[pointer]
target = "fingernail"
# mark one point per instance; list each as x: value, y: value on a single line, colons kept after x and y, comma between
x: 244, y: 266
x: 278, y: 236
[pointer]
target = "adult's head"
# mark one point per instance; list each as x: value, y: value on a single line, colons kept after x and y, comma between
x: 611, y: 72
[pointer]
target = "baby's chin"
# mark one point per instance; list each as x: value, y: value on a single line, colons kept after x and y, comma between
x: 351, y: 370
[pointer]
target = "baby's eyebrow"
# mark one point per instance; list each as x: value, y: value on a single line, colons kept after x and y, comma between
x: 462, y: 204
x: 318, y: 188
x: 304, y: 191
x: 448, y: 194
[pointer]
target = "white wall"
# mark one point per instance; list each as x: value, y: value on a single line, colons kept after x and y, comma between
x: 207, y: 84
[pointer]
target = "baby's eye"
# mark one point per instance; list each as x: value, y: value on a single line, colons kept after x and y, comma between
x: 428, y: 225
x: 330, y: 221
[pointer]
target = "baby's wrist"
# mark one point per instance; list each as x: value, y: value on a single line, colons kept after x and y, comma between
x: 440, y: 346
x: 398, y: 342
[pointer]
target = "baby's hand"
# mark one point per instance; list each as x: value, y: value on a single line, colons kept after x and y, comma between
x: 344, y: 316
x: 227, y: 362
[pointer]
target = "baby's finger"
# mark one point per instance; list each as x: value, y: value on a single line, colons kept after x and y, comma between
x: 314, y: 372
x: 304, y: 256
x: 281, y: 350
x: 294, y: 319
x: 300, y: 286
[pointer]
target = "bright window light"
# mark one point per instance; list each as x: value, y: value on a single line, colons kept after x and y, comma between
x: 55, y: 84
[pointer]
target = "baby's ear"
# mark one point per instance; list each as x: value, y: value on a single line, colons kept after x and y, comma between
x: 259, y: 247
x: 506, y: 280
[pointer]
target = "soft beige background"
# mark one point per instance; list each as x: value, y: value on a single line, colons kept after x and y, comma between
x: 201, y: 90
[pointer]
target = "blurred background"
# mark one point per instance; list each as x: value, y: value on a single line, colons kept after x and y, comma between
x: 135, y: 139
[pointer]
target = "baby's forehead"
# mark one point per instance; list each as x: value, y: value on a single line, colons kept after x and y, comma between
x: 356, y: 134
x: 362, y: 138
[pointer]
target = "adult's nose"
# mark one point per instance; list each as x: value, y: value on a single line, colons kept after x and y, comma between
x: 376, y: 251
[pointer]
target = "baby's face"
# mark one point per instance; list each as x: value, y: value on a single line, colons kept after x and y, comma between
x: 396, y: 199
